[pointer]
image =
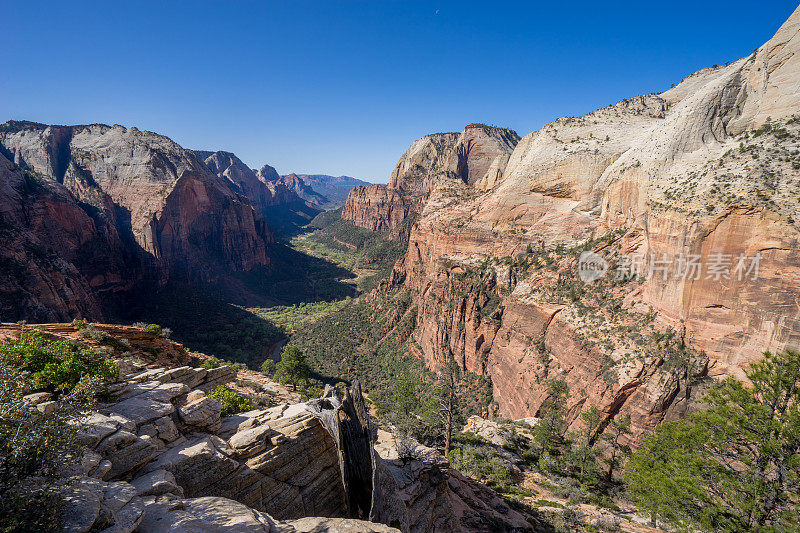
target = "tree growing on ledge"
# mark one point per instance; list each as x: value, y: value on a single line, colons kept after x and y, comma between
x: 292, y: 368
x: 734, y: 466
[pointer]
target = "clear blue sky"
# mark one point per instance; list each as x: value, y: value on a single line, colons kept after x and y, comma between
x: 345, y: 87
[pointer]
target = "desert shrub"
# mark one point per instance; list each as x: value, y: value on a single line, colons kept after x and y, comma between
x: 88, y: 331
x: 212, y: 362
x: 232, y: 402
x: 312, y: 389
x: 34, y: 449
x: 407, y: 448
x: 268, y: 367
x: 57, y: 365
x: 482, y: 463
x: 154, y: 329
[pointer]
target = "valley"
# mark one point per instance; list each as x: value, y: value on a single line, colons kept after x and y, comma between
x: 591, y: 327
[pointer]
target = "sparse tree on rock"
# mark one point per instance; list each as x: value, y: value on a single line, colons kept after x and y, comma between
x: 292, y: 367
x: 734, y: 466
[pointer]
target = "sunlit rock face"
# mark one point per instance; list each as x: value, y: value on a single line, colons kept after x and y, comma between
x: 474, y: 157
x: 151, y: 209
x: 707, y: 170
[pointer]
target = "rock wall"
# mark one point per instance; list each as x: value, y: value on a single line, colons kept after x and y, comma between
x: 151, y: 211
x: 476, y: 156
x: 706, y: 170
x: 59, y: 258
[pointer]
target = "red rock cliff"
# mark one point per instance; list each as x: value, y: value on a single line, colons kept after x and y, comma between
x: 707, y: 169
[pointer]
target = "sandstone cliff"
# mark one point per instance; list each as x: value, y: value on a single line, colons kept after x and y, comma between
x: 706, y: 170
x: 59, y: 258
x: 475, y: 157
x: 157, y: 208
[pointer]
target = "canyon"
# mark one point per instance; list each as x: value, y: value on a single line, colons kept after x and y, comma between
x: 92, y: 214
x: 495, y: 225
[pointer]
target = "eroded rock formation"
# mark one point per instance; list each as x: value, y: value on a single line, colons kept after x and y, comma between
x: 160, y: 457
x: 706, y: 170
x: 476, y: 156
x: 132, y: 206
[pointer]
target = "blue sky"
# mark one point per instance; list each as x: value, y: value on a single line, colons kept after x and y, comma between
x: 345, y: 87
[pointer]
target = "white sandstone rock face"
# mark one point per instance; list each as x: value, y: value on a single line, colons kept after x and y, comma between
x: 708, y: 168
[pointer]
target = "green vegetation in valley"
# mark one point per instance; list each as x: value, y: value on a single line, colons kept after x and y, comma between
x: 291, y: 317
x: 369, y: 253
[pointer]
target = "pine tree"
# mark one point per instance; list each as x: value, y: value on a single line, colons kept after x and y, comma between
x: 292, y: 367
x: 734, y: 466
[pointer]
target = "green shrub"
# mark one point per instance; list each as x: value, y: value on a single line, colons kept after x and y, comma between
x: 232, y: 402
x: 34, y: 449
x: 212, y: 362
x: 88, y: 331
x: 154, y: 329
x: 58, y: 365
x: 482, y: 463
x: 268, y: 367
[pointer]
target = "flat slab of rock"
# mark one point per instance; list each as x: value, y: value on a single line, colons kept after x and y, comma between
x: 142, y: 410
x: 157, y: 483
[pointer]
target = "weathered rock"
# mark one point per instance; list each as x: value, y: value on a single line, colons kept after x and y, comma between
x: 157, y: 483
x: 126, y: 451
x: 141, y: 410
x: 488, y: 429
x: 477, y: 155
x: 37, y: 398
x: 674, y: 174
x: 106, y: 206
x: 203, y: 413
x: 94, y: 428
x: 92, y: 505
x: 337, y: 525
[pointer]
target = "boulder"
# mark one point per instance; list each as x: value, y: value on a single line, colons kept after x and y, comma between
x: 202, y: 412
x: 93, y: 505
x: 157, y: 483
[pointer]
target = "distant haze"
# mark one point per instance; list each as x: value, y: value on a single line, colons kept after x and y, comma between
x: 344, y: 88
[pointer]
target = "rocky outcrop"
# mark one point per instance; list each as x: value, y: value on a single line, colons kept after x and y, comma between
x: 476, y: 156
x: 706, y: 170
x: 160, y: 457
x: 93, y: 505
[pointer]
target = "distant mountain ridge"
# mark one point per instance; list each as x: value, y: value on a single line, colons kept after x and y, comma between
x: 333, y: 188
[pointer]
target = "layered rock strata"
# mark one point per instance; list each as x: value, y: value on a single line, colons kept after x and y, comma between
x: 703, y: 173
x: 476, y: 157
x: 108, y: 207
